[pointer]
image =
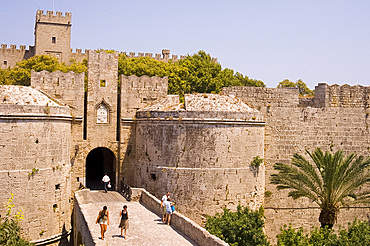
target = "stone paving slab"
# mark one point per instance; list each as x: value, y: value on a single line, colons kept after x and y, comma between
x: 145, y: 228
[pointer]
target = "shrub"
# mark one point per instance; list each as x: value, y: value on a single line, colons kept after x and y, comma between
x: 358, y: 234
x: 9, y: 226
x: 241, y: 228
x: 257, y: 161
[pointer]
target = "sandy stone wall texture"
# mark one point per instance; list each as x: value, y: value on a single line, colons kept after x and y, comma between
x: 53, y: 34
x: 10, y: 56
x: 295, y: 128
x: 34, y: 162
x: 203, y: 162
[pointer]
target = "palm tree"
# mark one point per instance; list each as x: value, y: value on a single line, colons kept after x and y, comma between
x: 331, y: 181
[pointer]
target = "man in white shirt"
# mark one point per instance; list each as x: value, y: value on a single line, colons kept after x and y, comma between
x: 168, y: 205
x: 164, y: 198
x: 106, y: 181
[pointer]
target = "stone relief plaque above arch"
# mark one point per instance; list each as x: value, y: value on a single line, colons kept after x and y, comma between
x: 102, y: 111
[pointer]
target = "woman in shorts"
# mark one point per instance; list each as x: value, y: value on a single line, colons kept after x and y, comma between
x: 103, y: 220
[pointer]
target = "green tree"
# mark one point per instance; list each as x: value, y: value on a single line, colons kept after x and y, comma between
x: 241, y: 228
x: 20, y: 74
x: 331, y: 181
x: 194, y: 73
x: 303, y: 89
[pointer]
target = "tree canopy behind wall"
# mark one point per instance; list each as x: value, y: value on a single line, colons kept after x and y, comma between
x: 195, y: 73
x: 20, y: 74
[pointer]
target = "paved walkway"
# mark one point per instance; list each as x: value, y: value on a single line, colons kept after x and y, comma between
x: 146, y: 228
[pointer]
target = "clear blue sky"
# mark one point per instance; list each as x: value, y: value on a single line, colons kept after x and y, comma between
x: 271, y: 40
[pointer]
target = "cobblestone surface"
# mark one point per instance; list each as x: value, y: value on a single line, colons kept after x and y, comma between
x: 145, y: 227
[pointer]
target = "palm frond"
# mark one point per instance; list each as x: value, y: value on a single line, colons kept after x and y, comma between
x: 328, y: 181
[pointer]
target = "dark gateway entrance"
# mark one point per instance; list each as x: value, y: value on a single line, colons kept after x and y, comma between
x: 98, y: 162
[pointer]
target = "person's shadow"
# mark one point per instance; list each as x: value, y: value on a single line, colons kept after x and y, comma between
x: 118, y: 236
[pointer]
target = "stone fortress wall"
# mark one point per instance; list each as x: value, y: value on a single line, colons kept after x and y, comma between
x: 137, y: 92
x: 10, y: 56
x: 35, y: 160
x: 336, y: 119
x: 202, y: 157
x: 69, y: 87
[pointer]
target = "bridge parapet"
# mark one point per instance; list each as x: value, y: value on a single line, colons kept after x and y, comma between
x: 87, y: 205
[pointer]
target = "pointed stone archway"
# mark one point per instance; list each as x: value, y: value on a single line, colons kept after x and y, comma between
x: 98, y: 162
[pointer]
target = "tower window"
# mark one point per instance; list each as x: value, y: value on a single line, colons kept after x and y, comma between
x: 5, y: 62
x: 102, y: 83
x: 53, y: 40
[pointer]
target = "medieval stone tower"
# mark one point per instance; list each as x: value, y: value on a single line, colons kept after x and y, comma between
x: 100, y: 132
x: 53, y: 35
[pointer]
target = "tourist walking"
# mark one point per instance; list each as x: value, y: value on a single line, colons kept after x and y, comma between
x: 164, y: 198
x: 168, y: 205
x: 106, y: 181
x: 123, y: 223
x: 103, y: 220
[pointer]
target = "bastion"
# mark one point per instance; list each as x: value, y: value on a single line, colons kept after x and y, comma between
x: 35, y: 161
x: 201, y: 151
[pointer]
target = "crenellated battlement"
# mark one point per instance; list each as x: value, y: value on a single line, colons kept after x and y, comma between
x: 68, y: 87
x: 10, y: 56
x: 134, y: 82
x: 50, y: 17
x: 79, y: 51
x: 78, y: 56
x: 13, y: 48
x: 341, y: 96
x: 140, y: 91
x: 165, y: 56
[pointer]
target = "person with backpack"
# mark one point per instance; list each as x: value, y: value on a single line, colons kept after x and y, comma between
x: 103, y: 220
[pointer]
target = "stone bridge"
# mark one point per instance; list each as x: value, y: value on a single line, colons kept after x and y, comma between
x: 146, y: 225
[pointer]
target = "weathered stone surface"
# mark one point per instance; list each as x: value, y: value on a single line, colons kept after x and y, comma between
x: 200, y: 151
x: 203, y: 161
x: 331, y: 122
x: 35, y: 160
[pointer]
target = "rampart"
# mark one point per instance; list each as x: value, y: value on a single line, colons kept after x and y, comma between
x: 138, y: 92
x: 344, y: 96
x: 78, y: 56
x: 203, y: 157
x: 10, y: 56
x: 339, y: 122
x: 35, y: 167
x: 66, y: 87
x: 165, y: 56
x: 265, y: 97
